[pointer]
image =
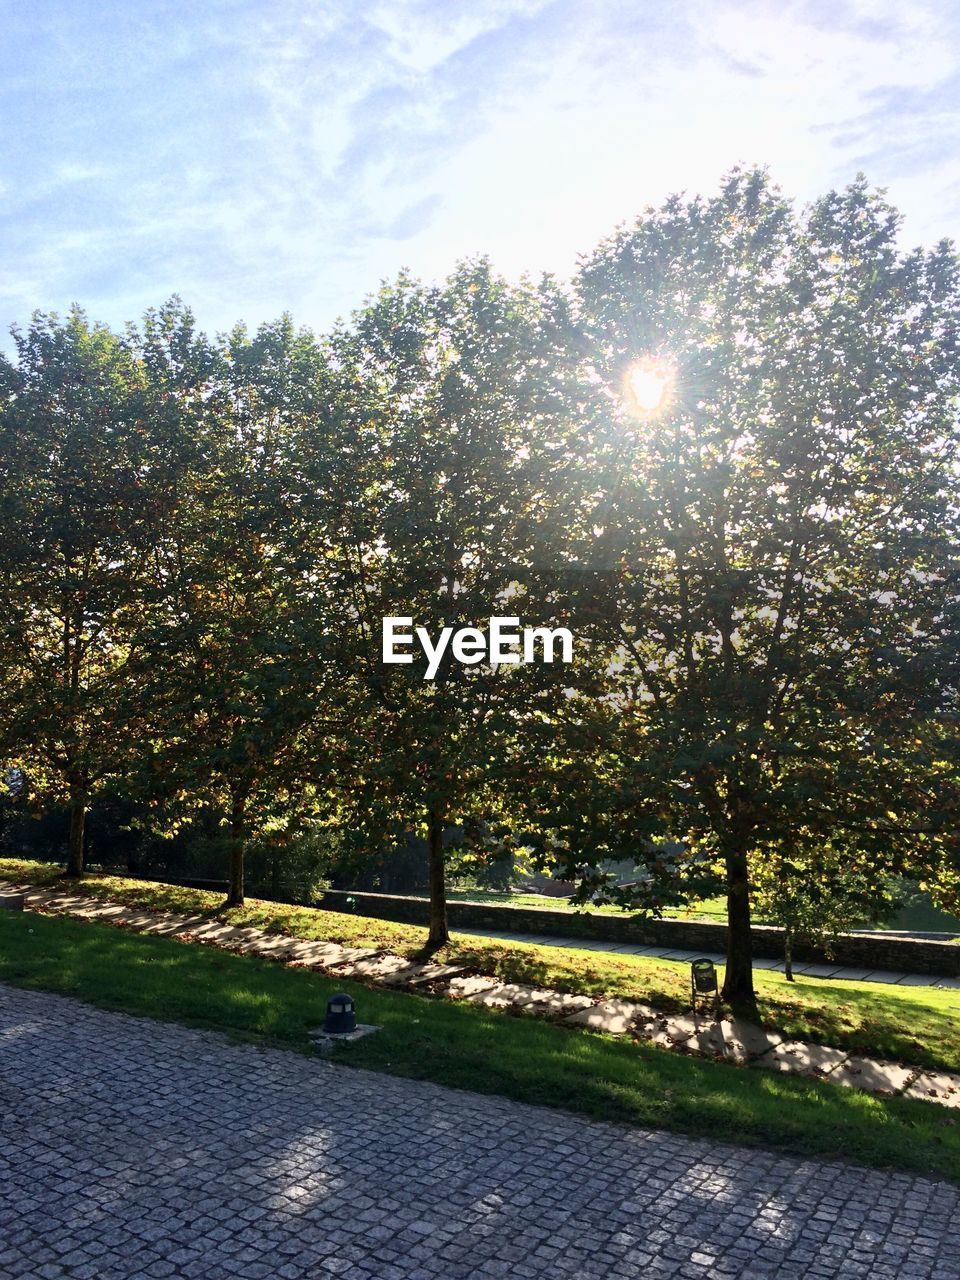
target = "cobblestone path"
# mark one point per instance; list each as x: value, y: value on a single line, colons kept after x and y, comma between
x: 130, y: 1148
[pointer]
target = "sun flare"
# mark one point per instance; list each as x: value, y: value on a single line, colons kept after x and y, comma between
x: 648, y: 384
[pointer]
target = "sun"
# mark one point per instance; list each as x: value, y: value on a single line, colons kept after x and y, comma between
x: 648, y: 383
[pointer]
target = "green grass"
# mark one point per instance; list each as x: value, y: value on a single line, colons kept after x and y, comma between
x: 458, y: 1044
x: 919, y: 915
x: 916, y: 1025
x: 714, y: 909
x: 536, y: 901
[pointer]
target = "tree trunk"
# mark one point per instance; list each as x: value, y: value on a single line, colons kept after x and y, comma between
x: 78, y: 826
x: 235, y: 893
x: 788, y: 954
x: 439, y: 935
x: 738, y: 977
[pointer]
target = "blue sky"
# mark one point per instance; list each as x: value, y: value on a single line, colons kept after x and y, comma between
x: 271, y: 156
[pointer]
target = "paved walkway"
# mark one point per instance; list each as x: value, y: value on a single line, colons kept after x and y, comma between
x: 733, y: 1039
x: 666, y: 953
x: 131, y: 1149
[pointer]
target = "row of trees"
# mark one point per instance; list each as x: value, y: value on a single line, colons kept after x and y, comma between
x: 201, y: 538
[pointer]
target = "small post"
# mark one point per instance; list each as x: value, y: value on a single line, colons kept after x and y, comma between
x: 341, y: 1015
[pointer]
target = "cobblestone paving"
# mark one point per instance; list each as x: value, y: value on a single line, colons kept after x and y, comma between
x: 130, y: 1148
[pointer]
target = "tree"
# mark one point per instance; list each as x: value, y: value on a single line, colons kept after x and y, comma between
x: 242, y: 671
x: 88, y: 467
x: 784, y: 526
x: 460, y: 515
x: 817, y: 894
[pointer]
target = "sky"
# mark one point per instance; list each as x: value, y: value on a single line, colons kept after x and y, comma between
x: 288, y: 155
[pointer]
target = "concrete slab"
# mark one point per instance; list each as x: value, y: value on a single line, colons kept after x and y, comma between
x: 709, y: 1042
x: 816, y: 970
x: 675, y: 1030
x: 199, y: 925
x: 224, y: 935
x: 61, y: 901
x: 89, y: 913
x: 732, y: 1039
x: 765, y: 963
x: 377, y: 966
x: 137, y: 920
x: 279, y: 948
x: 852, y: 975
x: 250, y: 940
x: 884, y: 976
x: 464, y: 988
x: 681, y: 1025
x: 813, y: 1060
x: 416, y: 975
x: 616, y: 1017
x: 744, y: 1040
x: 329, y: 955
x: 872, y: 1075
x: 325, y: 1042
x: 517, y: 995
x: 916, y: 980
x: 936, y: 1086
x: 555, y: 1004
x: 163, y: 918
x: 503, y: 995
x: 324, y: 954
x: 947, y: 984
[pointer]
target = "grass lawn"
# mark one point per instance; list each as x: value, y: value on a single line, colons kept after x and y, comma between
x: 536, y: 901
x: 917, y: 1025
x: 458, y: 1044
x: 920, y: 915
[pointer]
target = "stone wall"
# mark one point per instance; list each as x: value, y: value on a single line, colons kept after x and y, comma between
x: 860, y: 951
